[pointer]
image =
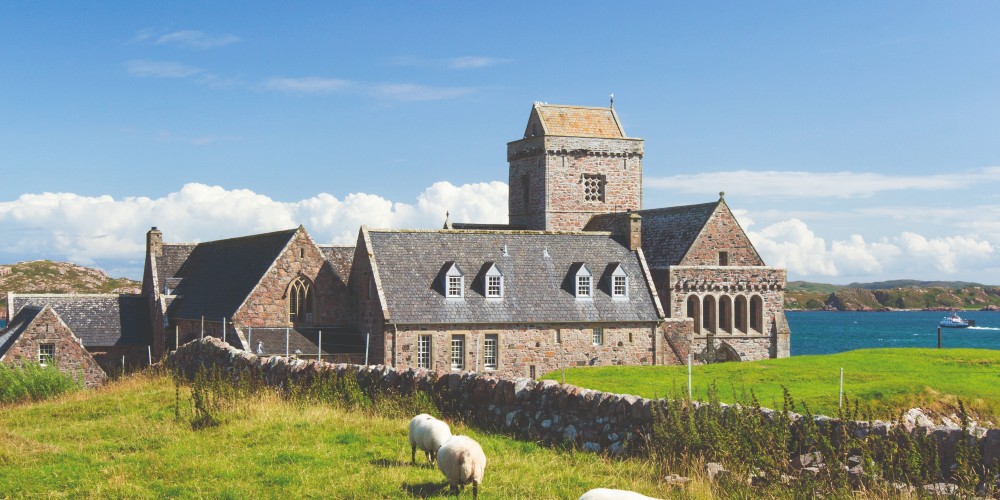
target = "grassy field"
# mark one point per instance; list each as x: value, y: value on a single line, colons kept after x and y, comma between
x: 885, y: 380
x: 125, y: 441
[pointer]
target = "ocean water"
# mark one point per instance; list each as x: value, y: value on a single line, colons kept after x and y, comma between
x: 823, y: 332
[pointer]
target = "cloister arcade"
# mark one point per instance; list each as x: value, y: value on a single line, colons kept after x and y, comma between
x: 725, y: 314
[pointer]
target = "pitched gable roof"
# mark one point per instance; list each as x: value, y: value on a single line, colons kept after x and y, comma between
x: 537, y: 288
x: 16, y: 327
x: 573, y: 121
x: 340, y: 259
x: 167, y: 264
x: 668, y: 233
x: 218, y: 276
x: 98, y: 319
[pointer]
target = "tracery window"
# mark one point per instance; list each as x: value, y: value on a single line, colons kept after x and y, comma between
x: 300, y: 301
x: 593, y: 187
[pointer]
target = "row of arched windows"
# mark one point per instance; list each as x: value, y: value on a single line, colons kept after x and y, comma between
x: 725, y: 314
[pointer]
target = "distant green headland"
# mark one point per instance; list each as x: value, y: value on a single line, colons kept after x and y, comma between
x: 891, y: 295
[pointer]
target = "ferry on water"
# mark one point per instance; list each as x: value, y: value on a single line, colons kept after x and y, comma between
x: 955, y: 321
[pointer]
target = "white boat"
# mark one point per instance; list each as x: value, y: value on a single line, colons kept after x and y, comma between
x: 954, y: 321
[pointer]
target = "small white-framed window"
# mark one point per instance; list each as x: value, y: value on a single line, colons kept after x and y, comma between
x: 455, y: 287
x: 491, y: 351
x: 584, y: 282
x: 46, y: 353
x: 619, y: 283
x: 598, y: 336
x: 494, y: 282
x: 458, y: 352
x: 424, y: 351
x: 454, y: 281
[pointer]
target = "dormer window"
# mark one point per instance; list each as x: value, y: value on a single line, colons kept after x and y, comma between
x: 454, y: 282
x: 619, y: 283
x: 584, y: 282
x: 494, y: 283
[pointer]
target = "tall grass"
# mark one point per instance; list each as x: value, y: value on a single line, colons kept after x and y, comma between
x: 34, y: 382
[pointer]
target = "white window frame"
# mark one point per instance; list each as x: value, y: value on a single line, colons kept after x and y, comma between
x: 45, y: 358
x: 584, y: 287
x: 494, y: 287
x: 458, y: 352
x: 455, y: 287
x: 424, y: 346
x: 597, y: 336
x: 491, y: 351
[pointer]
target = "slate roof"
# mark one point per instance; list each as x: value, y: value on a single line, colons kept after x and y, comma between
x: 219, y: 275
x: 16, y: 327
x: 578, y: 121
x: 306, y: 340
x: 668, y: 233
x: 167, y: 264
x: 341, y: 258
x: 100, y: 320
x: 486, y: 227
x: 537, y: 288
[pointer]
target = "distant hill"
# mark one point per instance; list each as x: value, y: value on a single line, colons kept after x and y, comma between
x: 891, y: 295
x: 45, y: 276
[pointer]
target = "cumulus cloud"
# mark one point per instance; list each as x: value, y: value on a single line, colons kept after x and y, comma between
x: 160, y: 69
x: 771, y: 184
x: 793, y: 245
x: 86, y: 229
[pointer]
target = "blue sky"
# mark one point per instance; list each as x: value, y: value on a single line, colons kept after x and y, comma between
x: 856, y: 140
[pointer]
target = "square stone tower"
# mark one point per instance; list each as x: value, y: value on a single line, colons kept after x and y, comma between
x: 574, y: 162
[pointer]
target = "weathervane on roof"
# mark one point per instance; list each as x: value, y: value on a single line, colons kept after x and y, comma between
x: 612, y: 101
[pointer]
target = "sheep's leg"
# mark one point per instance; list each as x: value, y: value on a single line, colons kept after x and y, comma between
x: 475, y: 489
x: 453, y: 489
x: 413, y: 454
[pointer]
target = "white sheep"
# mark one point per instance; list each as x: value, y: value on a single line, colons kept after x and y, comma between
x: 428, y: 434
x: 610, y: 494
x: 462, y: 460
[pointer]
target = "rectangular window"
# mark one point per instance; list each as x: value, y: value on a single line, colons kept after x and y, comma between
x: 723, y: 258
x: 582, y: 286
x: 490, y: 351
x: 619, y: 286
x: 598, y: 336
x: 593, y: 187
x: 46, y: 353
x: 557, y: 338
x: 494, y: 286
x: 455, y: 286
x: 458, y: 352
x: 424, y: 351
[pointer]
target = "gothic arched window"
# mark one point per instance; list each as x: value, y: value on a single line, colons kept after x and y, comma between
x: 300, y: 301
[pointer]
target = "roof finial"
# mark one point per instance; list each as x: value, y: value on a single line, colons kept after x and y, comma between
x: 722, y: 195
x: 447, y: 220
x: 612, y: 101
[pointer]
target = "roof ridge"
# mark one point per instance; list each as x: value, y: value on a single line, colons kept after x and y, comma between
x: 660, y: 209
x: 545, y: 104
x: 238, y: 238
x: 526, y: 232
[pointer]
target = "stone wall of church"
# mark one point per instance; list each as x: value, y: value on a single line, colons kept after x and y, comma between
x: 531, y: 350
x: 367, y: 300
x: 70, y: 356
x: 722, y: 233
x: 556, y: 170
x: 267, y: 305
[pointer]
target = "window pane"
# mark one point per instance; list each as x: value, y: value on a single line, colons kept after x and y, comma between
x: 424, y: 351
x: 620, y: 286
x: 494, y: 286
x: 490, y: 352
x: 457, y: 352
x: 598, y: 336
x: 454, y: 286
x: 583, y: 286
x: 46, y: 353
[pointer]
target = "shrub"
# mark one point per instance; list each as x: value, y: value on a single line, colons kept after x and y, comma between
x: 34, y: 382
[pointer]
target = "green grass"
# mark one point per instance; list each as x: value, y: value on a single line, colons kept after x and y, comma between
x: 885, y: 380
x: 33, y: 382
x: 124, y: 441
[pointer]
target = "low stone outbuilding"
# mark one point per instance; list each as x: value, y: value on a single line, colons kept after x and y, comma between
x: 39, y: 335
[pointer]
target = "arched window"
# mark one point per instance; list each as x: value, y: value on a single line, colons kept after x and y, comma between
x: 741, y: 314
x: 726, y: 314
x: 694, y: 312
x: 708, y: 314
x: 300, y: 302
x: 756, y: 313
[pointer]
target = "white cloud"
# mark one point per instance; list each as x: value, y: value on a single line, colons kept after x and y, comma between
x: 160, y: 69
x: 86, y: 229
x: 791, y: 244
x: 306, y: 85
x: 774, y: 184
x: 413, y: 92
x: 193, y: 39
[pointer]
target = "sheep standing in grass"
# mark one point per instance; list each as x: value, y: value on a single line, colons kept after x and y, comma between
x: 462, y: 460
x: 428, y: 434
x: 609, y: 494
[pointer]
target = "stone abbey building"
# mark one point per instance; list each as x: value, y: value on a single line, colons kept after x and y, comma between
x: 581, y: 275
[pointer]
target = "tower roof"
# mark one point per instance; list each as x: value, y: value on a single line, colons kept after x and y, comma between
x: 573, y: 121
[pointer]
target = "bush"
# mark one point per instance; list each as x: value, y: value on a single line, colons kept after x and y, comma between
x: 34, y: 382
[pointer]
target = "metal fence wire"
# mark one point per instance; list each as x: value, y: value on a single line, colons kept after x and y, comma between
x: 335, y: 345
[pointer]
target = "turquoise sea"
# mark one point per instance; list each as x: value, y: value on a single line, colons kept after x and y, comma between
x: 822, y: 332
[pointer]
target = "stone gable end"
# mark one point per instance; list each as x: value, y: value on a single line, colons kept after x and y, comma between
x: 722, y: 233
x: 70, y: 356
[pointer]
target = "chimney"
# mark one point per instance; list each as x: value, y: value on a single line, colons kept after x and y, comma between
x: 154, y: 242
x: 634, y: 231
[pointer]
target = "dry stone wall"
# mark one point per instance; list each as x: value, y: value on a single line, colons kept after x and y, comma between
x: 543, y: 411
